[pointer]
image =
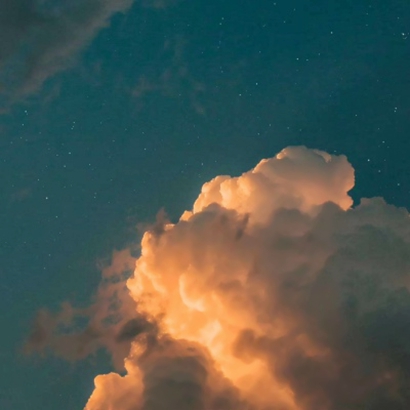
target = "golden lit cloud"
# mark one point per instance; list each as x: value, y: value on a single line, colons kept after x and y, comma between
x: 272, y: 293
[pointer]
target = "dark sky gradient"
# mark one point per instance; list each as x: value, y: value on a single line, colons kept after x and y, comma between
x: 146, y: 110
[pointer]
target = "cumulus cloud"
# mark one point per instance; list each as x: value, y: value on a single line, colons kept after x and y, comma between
x: 272, y: 293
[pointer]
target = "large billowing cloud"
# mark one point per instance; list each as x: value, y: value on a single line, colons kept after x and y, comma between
x: 273, y: 293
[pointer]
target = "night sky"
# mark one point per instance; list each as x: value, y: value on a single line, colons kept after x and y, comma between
x: 114, y: 109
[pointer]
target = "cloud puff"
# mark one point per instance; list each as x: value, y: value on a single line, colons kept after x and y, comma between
x: 170, y: 374
x: 272, y: 293
x: 39, y: 38
x: 110, y: 322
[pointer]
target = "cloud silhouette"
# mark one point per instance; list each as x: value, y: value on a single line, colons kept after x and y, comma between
x: 39, y: 38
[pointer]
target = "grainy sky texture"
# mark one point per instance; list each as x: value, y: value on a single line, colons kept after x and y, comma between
x: 285, y: 277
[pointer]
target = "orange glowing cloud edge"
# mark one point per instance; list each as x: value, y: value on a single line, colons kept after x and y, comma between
x: 236, y: 288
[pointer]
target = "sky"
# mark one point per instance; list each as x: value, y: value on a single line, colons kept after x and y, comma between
x: 113, y: 110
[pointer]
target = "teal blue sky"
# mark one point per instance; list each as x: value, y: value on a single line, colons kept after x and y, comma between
x: 112, y: 110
